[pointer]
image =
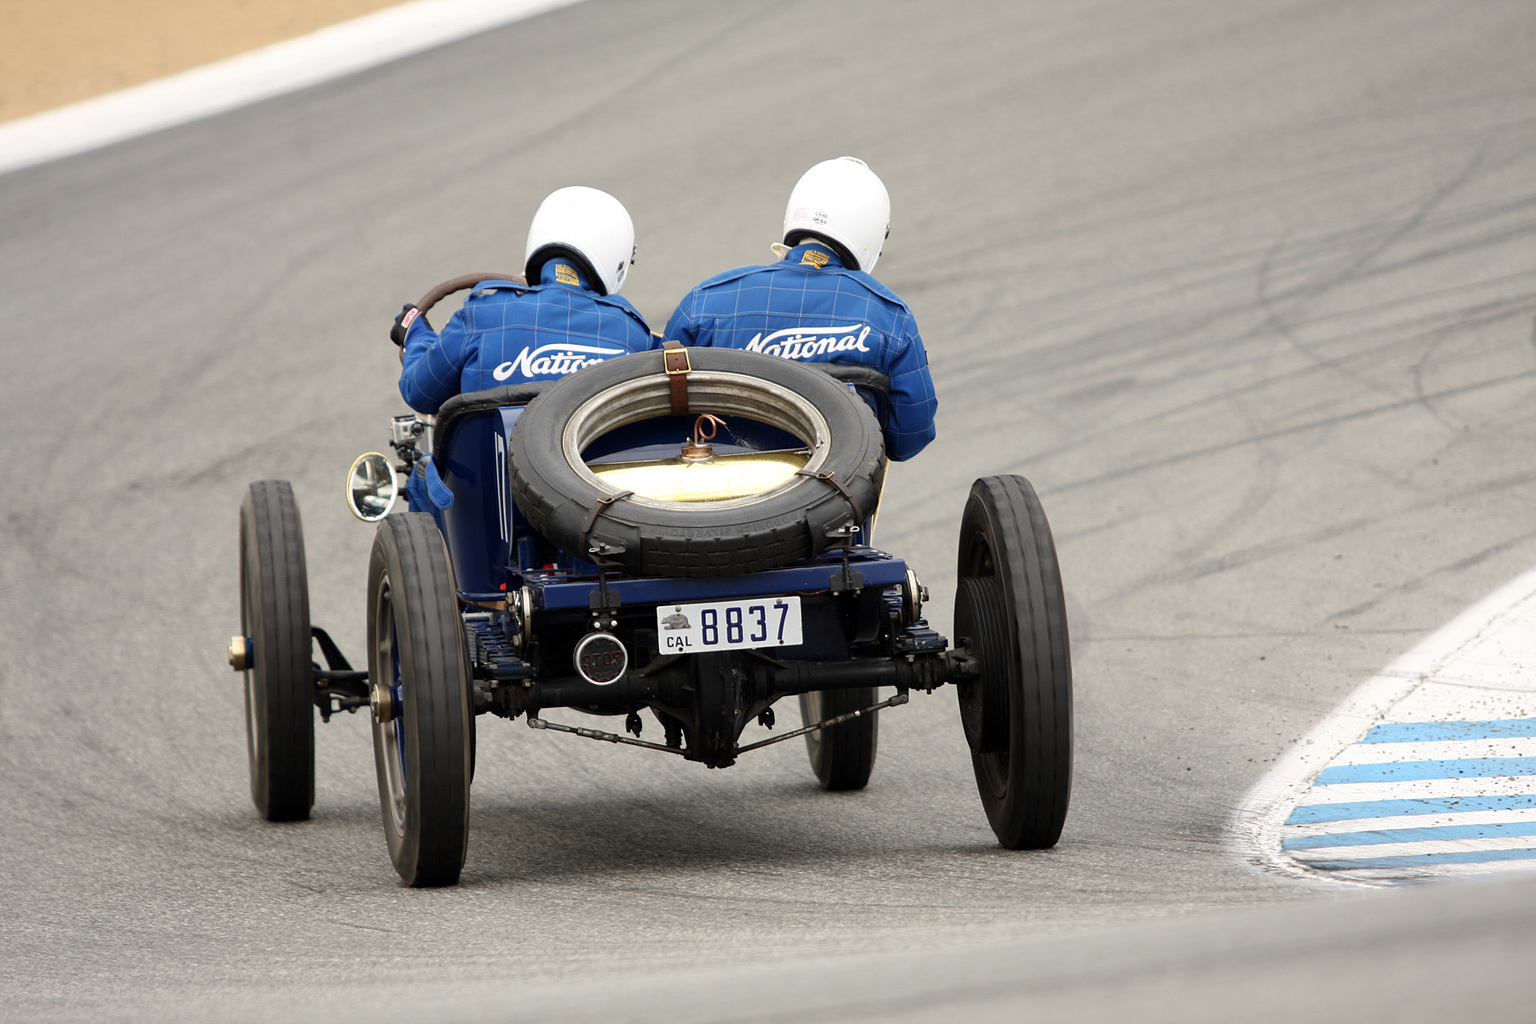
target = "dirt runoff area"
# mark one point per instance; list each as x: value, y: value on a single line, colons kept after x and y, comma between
x: 61, y: 51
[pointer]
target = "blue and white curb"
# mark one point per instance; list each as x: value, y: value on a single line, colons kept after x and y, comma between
x: 284, y: 67
x: 1427, y: 770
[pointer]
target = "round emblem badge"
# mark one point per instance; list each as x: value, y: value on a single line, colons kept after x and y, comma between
x: 600, y: 658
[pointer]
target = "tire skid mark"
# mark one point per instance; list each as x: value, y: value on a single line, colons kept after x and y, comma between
x: 1460, y: 565
x: 1299, y: 428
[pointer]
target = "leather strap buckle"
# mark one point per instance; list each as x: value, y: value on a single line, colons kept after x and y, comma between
x: 675, y: 360
x: 676, y: 357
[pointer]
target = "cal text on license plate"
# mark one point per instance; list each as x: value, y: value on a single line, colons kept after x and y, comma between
x: 729, y: 625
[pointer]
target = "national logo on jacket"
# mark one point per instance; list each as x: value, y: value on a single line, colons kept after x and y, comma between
x: 811, y: 342
x: 559, y: 359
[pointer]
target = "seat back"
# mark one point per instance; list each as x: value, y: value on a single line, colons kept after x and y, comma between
x: 872, y: 385
x: 470, y: 443
x: 875, y: 388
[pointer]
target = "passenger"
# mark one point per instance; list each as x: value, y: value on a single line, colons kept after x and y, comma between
x: 581, y: 245
x: 819, y: 302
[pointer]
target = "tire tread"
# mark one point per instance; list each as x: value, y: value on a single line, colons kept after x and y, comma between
x: 409, y: 549
x: 843, y: 756
x: 283, y: 773
x: 1033, y: 812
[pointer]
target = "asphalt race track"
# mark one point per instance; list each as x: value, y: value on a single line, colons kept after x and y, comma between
x: 1246, y: 290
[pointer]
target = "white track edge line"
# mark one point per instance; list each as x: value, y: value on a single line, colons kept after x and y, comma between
x: 321, y: 56
x: 1255, y: 829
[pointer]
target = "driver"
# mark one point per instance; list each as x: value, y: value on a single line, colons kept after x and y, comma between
x: 581, y: 245
x: 819, y: 302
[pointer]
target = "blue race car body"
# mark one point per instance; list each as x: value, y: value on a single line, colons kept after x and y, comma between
x: 679, y: 532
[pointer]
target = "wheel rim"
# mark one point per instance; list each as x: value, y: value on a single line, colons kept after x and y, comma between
x: 643, y: 398
x: 994, y: 767
x: 252, y: 720
x: 390, y: 736
x: 811, y: 713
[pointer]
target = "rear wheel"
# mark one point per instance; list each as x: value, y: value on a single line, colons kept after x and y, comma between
x: 842, y: 756
x: 279, y: 681
x: 422, y: 728
x: 1011, y: 614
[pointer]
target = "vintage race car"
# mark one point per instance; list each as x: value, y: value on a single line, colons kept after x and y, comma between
x: 684, y: 532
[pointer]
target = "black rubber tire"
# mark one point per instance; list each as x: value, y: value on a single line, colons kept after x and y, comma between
x: 423, y: 755
x: 1011, y: 612
x: 844, y: 755
x: 679, y: 538
x: 279, y: 684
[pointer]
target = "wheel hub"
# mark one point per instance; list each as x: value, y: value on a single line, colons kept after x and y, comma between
x: 381, y: 702
x: 240, y: 653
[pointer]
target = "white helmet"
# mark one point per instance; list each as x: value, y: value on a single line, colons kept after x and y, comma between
x: 587, y: 226
x: 845, y: 203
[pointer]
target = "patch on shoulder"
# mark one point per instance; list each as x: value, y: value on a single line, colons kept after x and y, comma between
x: 813, y: 258
x: 566, y: 274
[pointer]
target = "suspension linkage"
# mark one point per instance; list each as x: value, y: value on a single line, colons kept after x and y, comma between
x: 896, y: 701
x: 534, y: 722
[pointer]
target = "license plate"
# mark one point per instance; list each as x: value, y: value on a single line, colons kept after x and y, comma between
x: 729, y: 625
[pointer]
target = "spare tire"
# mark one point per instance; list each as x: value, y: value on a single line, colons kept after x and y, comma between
x: 818, y: 507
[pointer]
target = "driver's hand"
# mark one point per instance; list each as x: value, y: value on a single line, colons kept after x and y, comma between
x: 408, y: 315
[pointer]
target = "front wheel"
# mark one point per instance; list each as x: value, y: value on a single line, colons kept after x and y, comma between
x: 279, y: 681
x: 1010, y: 612
x: 421, y: 726
x: 842, y: 756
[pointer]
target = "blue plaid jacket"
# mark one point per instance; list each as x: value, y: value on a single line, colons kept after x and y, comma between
x: 809, y: 308
x: 510, y: 333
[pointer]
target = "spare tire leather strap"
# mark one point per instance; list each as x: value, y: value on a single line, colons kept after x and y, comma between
x: 853, y: 503
x: 675, y: 360
x: 597, y: 510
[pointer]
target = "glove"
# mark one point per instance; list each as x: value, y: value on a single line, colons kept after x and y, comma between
x: 408, y: 315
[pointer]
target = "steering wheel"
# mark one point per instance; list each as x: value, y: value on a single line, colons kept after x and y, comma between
x: 437, y: 293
